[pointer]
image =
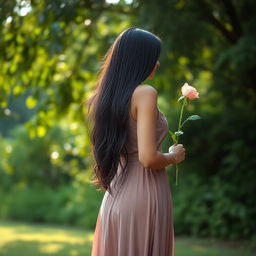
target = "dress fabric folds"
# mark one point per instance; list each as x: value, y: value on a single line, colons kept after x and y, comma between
x: 138, y: 220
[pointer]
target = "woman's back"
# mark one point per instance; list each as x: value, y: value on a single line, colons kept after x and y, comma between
x: 137, y: 221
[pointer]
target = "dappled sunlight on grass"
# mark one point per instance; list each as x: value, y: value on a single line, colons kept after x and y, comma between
x: 51, y: 248
x: 37, y: 239
x: 199, y: 248
x: 31, y: 239
x: 25, y: 233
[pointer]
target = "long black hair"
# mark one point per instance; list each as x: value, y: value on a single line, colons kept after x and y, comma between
x: 127, y: 63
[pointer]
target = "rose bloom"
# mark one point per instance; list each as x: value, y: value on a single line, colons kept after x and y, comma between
x: 189, y: 91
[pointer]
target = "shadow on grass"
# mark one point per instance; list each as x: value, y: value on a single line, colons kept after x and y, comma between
x: 188, y: 246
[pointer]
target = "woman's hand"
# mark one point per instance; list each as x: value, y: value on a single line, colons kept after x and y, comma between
x: 178, y: 152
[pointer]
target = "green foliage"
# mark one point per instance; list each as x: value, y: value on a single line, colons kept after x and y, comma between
x: 49, y: 159
x: 53, y: 48
x: 212, y: 209
x: 209, y: 44
x: 42, y: 179
x: 214, y: 197
x: 49, y: 55
x: 76, y: 204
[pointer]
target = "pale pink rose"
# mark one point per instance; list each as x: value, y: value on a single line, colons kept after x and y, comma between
x: 189, y: 91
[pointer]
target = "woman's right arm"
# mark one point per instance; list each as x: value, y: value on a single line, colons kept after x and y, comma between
x: 176, y: 155
x: 149, y: 156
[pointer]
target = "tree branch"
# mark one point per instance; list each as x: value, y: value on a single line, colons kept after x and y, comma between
x: 231, y: 11
x: 208, y: 16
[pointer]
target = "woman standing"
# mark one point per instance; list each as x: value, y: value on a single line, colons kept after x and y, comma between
x: 135, y: 217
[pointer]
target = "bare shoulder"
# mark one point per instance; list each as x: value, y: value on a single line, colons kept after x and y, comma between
x: 144, y: 92
x: 144, y: 96
x: 144, y: 88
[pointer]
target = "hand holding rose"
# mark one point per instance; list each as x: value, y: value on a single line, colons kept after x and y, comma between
x: 178, y: 152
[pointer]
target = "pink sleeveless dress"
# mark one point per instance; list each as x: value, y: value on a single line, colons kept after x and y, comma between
x: 138, y: 220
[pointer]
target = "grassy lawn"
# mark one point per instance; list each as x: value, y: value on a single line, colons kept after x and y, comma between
x: 25, y: 239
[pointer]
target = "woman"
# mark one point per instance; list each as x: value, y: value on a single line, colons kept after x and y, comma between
x: 135, y: 217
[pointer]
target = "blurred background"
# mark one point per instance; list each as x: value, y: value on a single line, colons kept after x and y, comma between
x: 50, y: 53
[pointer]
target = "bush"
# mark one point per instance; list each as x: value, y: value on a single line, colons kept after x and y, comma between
x: 77, y: 204
x: 212, y: 208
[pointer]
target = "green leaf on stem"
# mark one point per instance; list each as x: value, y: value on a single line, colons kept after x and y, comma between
x: 193, y: 117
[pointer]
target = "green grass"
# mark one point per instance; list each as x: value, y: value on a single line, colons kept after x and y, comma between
x: 27, y: 239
